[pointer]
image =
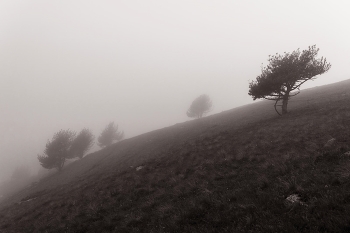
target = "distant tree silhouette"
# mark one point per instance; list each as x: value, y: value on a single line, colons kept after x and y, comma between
x: 57, y: 150
x: 109, y: 135
x: 82, y: 143
x: 200, y: 106
x: 285, y: 74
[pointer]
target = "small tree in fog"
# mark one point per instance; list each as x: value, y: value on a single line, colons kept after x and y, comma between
x: 57, y: 150
x: 200, y: 106
x: 109, y: 135
x: 285, y: 74
x: 82, y: 143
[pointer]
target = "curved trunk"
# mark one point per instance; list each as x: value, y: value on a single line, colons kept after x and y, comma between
x: 285, y: 103
x: 276, y: 106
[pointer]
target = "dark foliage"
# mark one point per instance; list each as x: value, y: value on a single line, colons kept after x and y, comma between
x: 57, y: 150
x: 82, y: 143
x: 199, y: 107
x: 286, y: 73
x: 109, y: 135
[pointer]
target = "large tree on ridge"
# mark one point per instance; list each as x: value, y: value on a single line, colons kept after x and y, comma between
x: 282, y: 78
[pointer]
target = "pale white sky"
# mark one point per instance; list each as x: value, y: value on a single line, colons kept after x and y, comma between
x: 75, y: 64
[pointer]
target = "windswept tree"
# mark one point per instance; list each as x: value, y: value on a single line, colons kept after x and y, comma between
x: 22, y: 172
x: 284, y: 75
x: 109, y: 135
x: 57, y: 150
x: 82, y: 143
x: 200, y: 106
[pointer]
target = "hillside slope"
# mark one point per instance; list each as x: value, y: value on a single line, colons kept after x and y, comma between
x: 235, y: 170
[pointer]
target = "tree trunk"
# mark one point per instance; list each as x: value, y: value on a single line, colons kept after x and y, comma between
x: 285, y: 103
x: 61, y: 165
x: 275, y: 106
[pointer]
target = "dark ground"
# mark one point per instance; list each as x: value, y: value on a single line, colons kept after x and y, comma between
x: 231, y: 172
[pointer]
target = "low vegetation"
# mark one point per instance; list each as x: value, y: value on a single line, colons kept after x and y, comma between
x: 243, y: 170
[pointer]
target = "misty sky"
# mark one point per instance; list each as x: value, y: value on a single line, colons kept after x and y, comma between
x: 75, y: 64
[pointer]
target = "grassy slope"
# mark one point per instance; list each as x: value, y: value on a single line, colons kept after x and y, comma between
x: 232, y: 170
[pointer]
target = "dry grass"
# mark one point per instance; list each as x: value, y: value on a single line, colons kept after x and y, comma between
x: 215, y: 175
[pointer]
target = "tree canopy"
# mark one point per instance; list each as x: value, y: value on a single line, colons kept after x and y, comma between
x: 200, y: 106
x: 283, y: 76
x: 57, y: 150
x: 109, y: 135
x: 82, y: 143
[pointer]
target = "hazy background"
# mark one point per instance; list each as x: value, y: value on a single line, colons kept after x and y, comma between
x: 74, y: 64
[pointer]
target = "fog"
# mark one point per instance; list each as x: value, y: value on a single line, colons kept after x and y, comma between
x: 75, y: 64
